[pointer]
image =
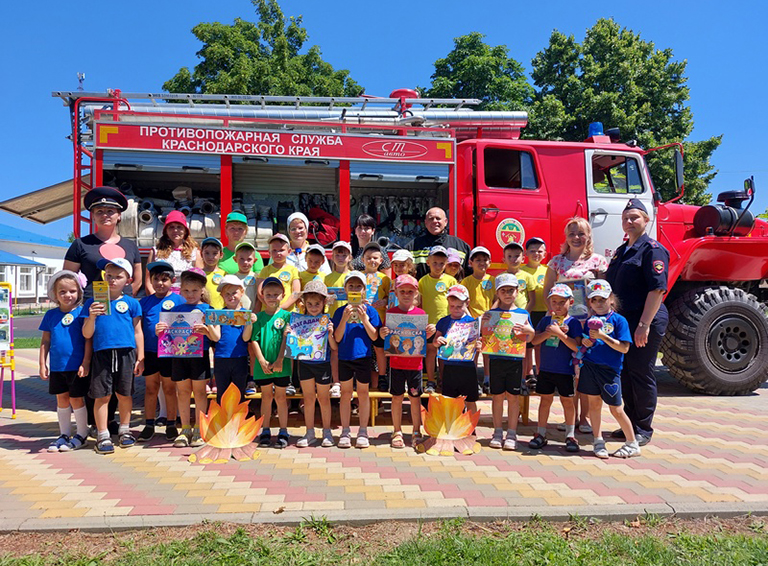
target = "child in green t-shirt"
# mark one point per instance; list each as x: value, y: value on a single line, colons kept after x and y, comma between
x: 267, y: 344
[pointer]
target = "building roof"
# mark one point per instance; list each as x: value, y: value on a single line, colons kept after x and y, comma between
x: 10, y: 234
x: 7, y: 258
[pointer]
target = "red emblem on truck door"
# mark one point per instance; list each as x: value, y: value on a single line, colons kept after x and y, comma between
x: 510, y: 230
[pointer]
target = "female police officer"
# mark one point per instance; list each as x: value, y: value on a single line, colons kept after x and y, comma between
x: 638, y: 275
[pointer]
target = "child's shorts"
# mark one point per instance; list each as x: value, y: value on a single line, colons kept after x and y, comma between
x: 536, y: 317
x: 155, y: 364
x: 230, y: 370
x: 67, y: 382
x: 506, y: 375
x: 112, y: 372
x: 549, y: 381
x: 596, y: 379
x: 460, y: 380
x: 359, y: 369
x: 400, y: 378
x: 196, y: 369
x: 319, y: 371
x: 283, y: 381
x: 379, y: 342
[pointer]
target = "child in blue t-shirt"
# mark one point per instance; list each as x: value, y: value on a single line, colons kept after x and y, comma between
x: 600, y: 377
x: 191, y: 374
x: 315, y: 374
x: 157, y: 371
x: 70, y: 354
x: 559, y: 336
x: 355, y: 329
x: 230, y: 354
x: 506, y: 373
x: 118, y: 352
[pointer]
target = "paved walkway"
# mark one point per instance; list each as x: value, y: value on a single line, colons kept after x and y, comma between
x: 709, y: 455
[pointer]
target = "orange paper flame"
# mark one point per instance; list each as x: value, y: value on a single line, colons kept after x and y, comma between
x: 448, y: 426
x: 227, y: 430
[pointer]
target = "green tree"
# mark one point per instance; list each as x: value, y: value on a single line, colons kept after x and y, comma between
x: 260, y: 58
x: 623, y: 81
x: 474, y: 69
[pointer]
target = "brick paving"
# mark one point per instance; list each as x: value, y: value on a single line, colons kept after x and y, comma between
x: 709, y: 455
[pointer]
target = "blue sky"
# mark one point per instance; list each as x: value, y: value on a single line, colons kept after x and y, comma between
x: 137, y: 46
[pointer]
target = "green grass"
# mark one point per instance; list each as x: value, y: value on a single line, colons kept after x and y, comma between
x: 22, y: 343
x: 537, y: 543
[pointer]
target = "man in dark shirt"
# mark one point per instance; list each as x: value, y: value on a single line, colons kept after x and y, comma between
x: 436, y: 222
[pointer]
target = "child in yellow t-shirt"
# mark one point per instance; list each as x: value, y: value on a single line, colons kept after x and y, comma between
x: 212, y: 251
x: 513, y: 257
x: 279, y: 248
x: 315, y: 258
x: 433, y: 288
x: 377, y: 295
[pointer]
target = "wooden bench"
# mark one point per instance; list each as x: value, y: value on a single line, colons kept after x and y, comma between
x: 375, y: 396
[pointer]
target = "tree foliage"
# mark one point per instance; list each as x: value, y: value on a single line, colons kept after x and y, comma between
x: 260, y: 58
x: 623, y: 81
x: 474, y: 69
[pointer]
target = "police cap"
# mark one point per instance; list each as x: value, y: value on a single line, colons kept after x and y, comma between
x: 105, y: 196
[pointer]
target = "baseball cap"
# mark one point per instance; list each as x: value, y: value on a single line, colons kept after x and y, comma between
x: 453, y: 256
x: 599, y: 288
x: 372, y: 246
x: 406, y: 279
x: 195, y: 273
x: 272, y: 281
x: 506, y: 280
x: 532, y: 241
x: 560, y: 290
x: 315, y: 286
x: 176, y: 216
x: 214, y: 241
x: 342, y: 244
x: 120, y: 262
x: 160, y: 267
x: 237, y: 217
x: 355, y: 275
x: 58, y: 275
x: 402, y: 255
x: 458, y: 291
x: 230, y: 279
x: 517, y: 245
x: 316, y: 248
x: 479, y: 250
x: 243, y: 245
x: 438, y: 250
x: 281, y: 237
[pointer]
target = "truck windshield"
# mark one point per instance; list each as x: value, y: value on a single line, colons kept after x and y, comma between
x: 616, y: 174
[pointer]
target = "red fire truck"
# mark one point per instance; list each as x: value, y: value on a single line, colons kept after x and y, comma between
x: 396, y: 157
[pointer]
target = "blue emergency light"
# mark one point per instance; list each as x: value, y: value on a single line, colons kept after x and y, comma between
x: 595, y: 129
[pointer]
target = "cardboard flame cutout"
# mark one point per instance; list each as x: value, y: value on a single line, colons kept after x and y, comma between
x: 449, y: 427
x: 227, y: 431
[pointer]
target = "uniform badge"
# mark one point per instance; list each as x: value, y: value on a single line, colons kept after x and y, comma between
x: 486, y: 285
x: 608, y: 328
x: 217, y: 277
x: 441, y: 287
x: 284, y: 276
x: 121, y: 306
x: 68, y: 319
x: 279, y: 323
x: 522, y: 285
x: 540, y: 279
x: 658, y: 266
x: 248, y: 281
x: 168, y: 305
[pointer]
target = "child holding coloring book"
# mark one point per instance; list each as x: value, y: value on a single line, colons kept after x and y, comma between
x: 341, y: 257
x: 230, y: 354
x: 609, y: 339
x: 406, y: 370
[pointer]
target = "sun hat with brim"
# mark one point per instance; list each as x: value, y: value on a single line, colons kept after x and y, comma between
x: 58, y: 275
x: 230, y: 280
x: 315, y: 286
x: 506, y: 280
x: 195, y: 273
x: 160, y: 267
x: 105, y: 196
x: 176, y: 216
x: 236, y: 217
x: 355, y: 275
x: 120, y: 262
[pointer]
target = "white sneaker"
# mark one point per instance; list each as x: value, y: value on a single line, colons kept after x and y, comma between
x: 306, y: 441
x: 336, y: 391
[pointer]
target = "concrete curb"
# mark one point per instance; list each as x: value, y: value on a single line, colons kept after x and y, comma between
x: 364, y: 517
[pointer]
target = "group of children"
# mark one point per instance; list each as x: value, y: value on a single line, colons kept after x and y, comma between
x: 97, y: 354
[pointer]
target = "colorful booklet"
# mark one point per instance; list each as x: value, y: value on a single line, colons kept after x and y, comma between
x: 338, y: 292
x: 498, y: 337
x: 392, y: 302
x: 354, y: 299
x: 579, y: 309
x: 179, y: 341
x: 308, y: 338
x: 101, y: 295
x: 227, y: 317
x: 372, y: 287
x: 461, y: 342
x: 407, y: 335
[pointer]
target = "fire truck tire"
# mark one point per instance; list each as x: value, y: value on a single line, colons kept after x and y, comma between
x: 717, y: 341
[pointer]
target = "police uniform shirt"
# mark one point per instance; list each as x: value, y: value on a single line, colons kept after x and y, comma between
x: 634, y: 272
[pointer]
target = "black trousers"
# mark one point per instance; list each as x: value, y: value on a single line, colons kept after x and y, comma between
x: 638, y: 381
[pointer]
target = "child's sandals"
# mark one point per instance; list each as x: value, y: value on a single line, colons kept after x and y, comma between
x: 416, y: 439
x: 627, y: 451
x: 397, y: 440
x: 599, y: 449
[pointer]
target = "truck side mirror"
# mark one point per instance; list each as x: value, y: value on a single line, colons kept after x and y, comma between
x: 678, y: 169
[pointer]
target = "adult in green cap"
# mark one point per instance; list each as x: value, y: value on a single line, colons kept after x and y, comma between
x: 236, y: 229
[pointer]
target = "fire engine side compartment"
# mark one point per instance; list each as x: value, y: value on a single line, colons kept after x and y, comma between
x: 715, y: 258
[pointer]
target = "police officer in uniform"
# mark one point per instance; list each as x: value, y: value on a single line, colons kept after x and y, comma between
x: 638, y: 275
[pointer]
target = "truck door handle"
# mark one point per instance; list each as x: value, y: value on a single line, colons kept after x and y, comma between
x: 489, y: 209
x: 598, y: 212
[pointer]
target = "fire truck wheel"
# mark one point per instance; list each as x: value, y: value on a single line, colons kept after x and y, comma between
x: 717, y: 341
